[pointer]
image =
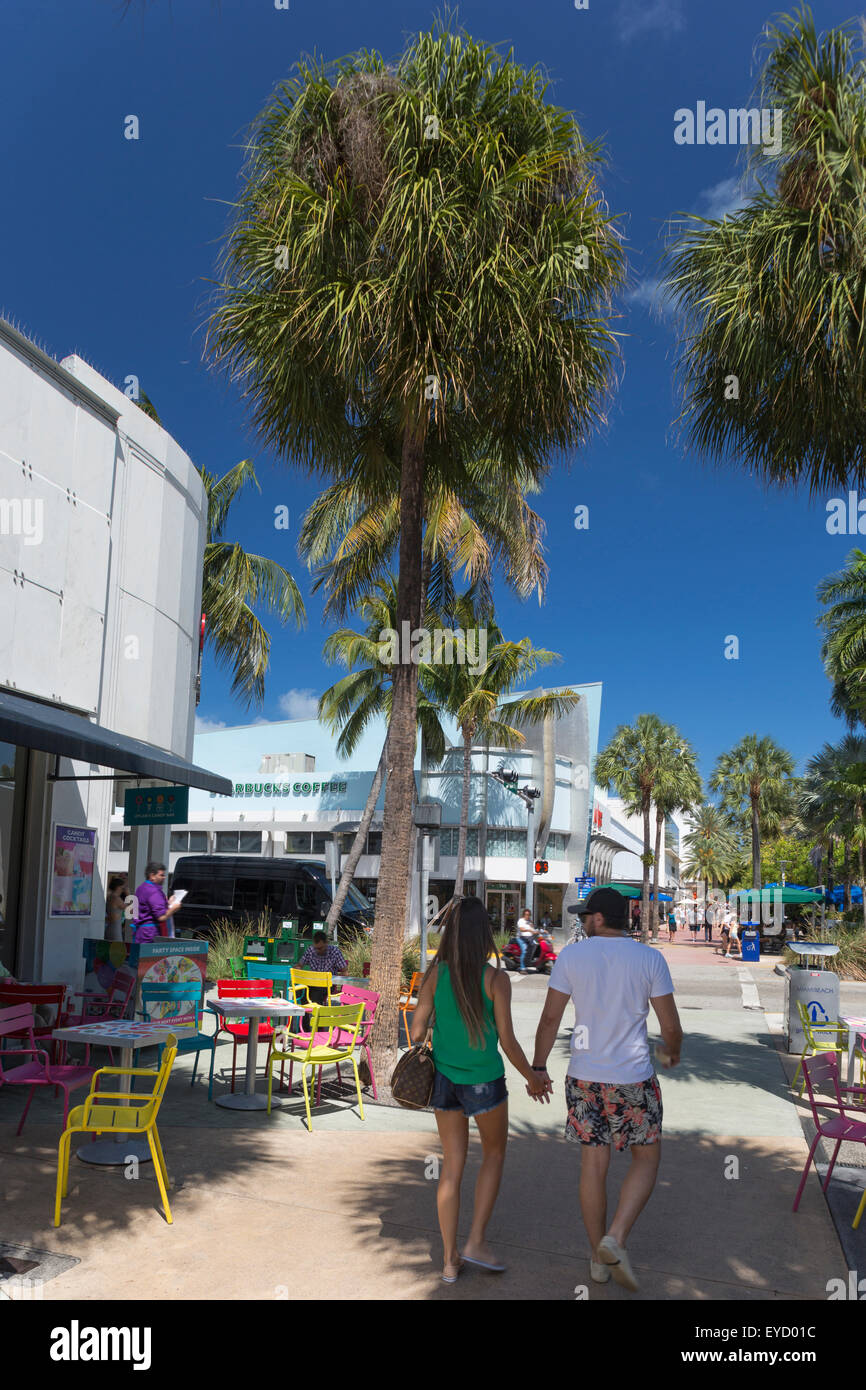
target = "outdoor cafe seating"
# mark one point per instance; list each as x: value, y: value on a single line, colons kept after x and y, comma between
x: 332, y: 1039
x: 186, y: 999
x: 135, y: 1113
x: 823, y: 1069
x: 17, y: 1022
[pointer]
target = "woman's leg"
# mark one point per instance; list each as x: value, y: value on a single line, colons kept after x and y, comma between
x: 453, y: 1129
x: 493, y: 1128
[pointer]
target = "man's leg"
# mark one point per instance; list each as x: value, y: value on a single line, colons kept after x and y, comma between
x: 594, y: 1163
x: 636, y: 1189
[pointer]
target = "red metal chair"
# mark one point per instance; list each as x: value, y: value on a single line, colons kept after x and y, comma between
x: 824, y: 1067
x: 17, y: 1022
x: 44, y: 997
x: 239, y: 1029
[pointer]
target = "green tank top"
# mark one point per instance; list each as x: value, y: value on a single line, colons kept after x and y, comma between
x: 452, y: 1051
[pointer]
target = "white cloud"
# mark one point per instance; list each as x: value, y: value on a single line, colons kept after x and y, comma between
x: 208, y: 726
x: 722, y: 198
x: 639, y: 17
x: 649, y: 295
x: 299, y: 704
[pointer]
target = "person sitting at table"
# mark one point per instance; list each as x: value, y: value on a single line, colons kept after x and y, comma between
x: 154, y: 909
x: 322, y: 956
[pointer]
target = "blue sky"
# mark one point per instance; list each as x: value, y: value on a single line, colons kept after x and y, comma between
x: 108, y: 247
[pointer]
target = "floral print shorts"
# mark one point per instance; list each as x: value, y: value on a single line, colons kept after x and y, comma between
x: 599, y: 1113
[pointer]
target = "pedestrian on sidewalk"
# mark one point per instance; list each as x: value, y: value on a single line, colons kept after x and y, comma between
x: 672, y: 925
x: 695, y: 924
x: 471, y: 1003
x: 612, y: 1092
x: 733, y: 941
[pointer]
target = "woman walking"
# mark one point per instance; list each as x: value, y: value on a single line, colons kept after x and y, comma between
x: 471, y: 1003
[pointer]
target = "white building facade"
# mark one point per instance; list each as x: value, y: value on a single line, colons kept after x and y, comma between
x: 102, y: 531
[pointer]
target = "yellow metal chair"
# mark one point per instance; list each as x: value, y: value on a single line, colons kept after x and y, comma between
x: 820, y: 1037
x: 135, y: 1115
x: 309, y: 979
x: 333, y: 1038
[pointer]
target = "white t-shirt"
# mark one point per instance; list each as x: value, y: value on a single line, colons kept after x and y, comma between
x: 611, y: 982
x: 526, y: 928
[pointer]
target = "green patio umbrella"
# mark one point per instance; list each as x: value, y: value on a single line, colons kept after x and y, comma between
x: 629, y: 891
x: 788, y: 895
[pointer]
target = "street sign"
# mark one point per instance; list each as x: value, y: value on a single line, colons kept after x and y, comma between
x: 156, y: 806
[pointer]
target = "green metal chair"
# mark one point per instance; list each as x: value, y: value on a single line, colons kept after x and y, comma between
x: 238, y: 967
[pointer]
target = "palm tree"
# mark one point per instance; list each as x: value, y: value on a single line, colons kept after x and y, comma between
x: 363, y: 696
x: 420, y: 245
x: 772, y: 297
x: 817, y: 806
x: 844, y: 647
x: 233, y: 582
x: 474, y: 695
x: 754, y: 781
x: 632, y: 762
x: 678, y: 788
x: 847, y: 788
x: 712, y: 851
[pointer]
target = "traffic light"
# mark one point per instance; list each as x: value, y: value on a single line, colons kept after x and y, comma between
x: 541, y: 866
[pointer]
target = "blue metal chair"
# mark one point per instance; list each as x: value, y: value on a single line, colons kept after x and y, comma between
x: 182, y: 996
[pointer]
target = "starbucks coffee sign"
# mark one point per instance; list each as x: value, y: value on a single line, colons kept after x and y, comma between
x: 287, y: 788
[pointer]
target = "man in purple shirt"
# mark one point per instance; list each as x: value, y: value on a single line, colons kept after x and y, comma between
x: 154, y: 909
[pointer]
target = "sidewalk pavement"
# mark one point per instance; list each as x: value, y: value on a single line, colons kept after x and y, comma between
x: 264, y: 1210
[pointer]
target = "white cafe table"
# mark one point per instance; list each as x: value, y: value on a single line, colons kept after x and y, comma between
x: 128, y: 1037
x: 856, y: 1033
x: 253, y: 1009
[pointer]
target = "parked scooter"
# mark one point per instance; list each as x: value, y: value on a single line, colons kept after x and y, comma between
x: 539, y: 956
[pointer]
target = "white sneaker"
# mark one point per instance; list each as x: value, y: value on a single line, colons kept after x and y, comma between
x: 599, y: 1273
x: 620, y: 1265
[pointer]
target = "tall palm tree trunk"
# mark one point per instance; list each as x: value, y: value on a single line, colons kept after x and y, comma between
x: 859, y: 810
x: 358, y: 843
x: 647, y: 854
x: 846, y: 873
x: 756, y: 845
x: 656, y: 915
x: 464, y: 813
x: 398, y: 834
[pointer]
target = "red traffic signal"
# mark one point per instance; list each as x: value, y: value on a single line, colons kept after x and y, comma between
x: 541, y: 866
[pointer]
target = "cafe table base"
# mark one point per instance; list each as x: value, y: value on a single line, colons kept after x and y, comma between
x: 241, y: 1101
x: 120, y: 1148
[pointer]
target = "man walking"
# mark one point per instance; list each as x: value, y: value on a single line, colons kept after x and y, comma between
x: 611, y: 1090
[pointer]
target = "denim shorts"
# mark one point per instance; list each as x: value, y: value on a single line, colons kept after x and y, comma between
x: 472, y: 1100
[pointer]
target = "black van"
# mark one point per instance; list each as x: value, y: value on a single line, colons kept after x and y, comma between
x: 242, y: 886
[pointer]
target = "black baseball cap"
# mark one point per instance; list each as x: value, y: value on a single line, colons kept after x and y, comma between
x: 609, y: 902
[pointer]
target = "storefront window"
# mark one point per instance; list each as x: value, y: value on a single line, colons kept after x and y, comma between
x: 12, y: 772
x: 506, y: 844
x: 118, y: 841
x: 298, y: 842
x: 234, y: 842
x: 450, y: 840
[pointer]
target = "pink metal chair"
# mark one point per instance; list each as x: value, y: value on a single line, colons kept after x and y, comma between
x: 113, y: 1003
x: 51, y: 999
x: 18, y: 1020
x: 824, y: 1067
x: 300, y: 1041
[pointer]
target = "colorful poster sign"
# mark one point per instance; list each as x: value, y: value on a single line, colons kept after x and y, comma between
x: 156, y: 806
x: 177, y: 962
x: 72, y: 872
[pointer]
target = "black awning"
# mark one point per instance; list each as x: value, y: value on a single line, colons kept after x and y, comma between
x: 53, y: 730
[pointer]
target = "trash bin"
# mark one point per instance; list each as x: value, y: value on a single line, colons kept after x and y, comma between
x: 750, y: 942
x: 819, y: 991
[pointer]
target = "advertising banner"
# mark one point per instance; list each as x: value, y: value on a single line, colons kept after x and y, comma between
x: 172, y: 962
x: 156, y: 806
x: 72, y: 871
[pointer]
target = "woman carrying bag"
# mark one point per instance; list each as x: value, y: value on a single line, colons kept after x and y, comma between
x: 471, y: 1004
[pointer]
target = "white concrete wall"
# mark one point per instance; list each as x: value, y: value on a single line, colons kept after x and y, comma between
x: 100, y: 605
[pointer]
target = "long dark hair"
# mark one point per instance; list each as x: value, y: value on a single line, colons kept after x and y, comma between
x: 466, y: 943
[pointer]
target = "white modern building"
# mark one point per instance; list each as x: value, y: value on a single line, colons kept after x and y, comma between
x: 102, y: 530
x: 292, y: 794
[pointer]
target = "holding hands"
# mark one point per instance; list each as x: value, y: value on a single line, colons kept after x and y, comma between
x: 540, y: 1086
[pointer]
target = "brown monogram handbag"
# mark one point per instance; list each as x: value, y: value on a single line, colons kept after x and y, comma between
x: 412, y: 1078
